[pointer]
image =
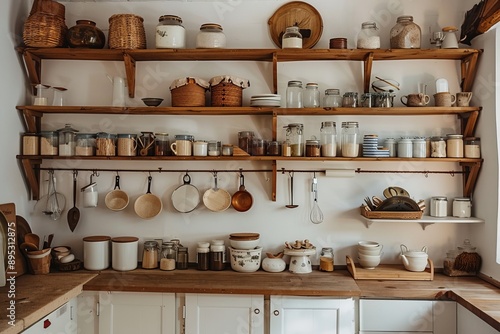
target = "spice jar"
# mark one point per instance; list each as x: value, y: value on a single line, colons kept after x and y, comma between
x: 126, y: 145
x: 332, y: 98
x: 294, y: 138
x: 462, y: 207
x: 85, y: 144
x: 245, y: 140
x: 326, y: 259
x: 313, y: 148
x: 162, y: 144
x: 294, y: 94
x: 49, y: 143
x: 350, y: 137
x: 350, y: 100
x: 214, y: 148
x: 167, y: 256
x: 292, y: 39
x: 311, y: 97
x: 105, y: 144
x: 419, y: 147
x: 472, y: 147
x: 210, y: 36
x: 274, y: 148
x: 328, y: 135
x: 67, y: 141
x: 439, y: 206
x: 170, y: 33
x: 150, y: 255
x: 203, y: 256
x: 258, y: 147
x: 454, y: 146
x: 368, y: 37
x: 438, y: 147
x: 217, y: 255
x: 182, y: 258
x: 405, y: 34
x: 30, y: 144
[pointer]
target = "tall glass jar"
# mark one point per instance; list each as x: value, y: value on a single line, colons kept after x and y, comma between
x: 350, y: 137
x: 210, y: 36
x: 31, y: 143
x: 202, y: 258
x: 182, y: 258
x: 217, y: 256
x: 245, y: 141
x: 49, y: 143
x: 311, y: 95
x: 332, y: 98
x: 67, y: 141
x: 294, y: 94
x: 167, y: 256
x: 326, y: 259
x: 162, y: 144
x: 295, y: 139
x: 170, y: 34
x: 405, y: 34
x: 368, y: 37
x: 105, y: 144
x: 292, y: 39
x: 150, y: 255
x: 85, y: 144
x: 339, y: 138
x: 328, y: 136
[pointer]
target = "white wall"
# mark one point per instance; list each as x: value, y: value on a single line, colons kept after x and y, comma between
x: 339, y: 198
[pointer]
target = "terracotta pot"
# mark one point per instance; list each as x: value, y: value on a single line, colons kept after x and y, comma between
x: 85, y: 34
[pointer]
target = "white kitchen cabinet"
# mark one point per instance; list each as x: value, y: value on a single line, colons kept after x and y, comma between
x: 404, y: 316
x: 319, y: 315
x: 136, y: 312
x: 468, y: 322
x: 61, y: 321
x: 86, y: 312
x: 219, y: 314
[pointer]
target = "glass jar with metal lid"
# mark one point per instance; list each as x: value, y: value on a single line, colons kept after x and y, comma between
x: 162, y: 144
x: 245, y: 140
x: 311, y: 95
x: 210, y: 36
x: 294, y: 94
x: 350, y: 137
x: 332, y: 98
x: 295, y: 139
x: 105, y: 144
x: 167, y: 256
x: 368, y: 37
x: 170, y: 34
x: 313, y: 148
x: 472, y: 147
x: 292, y: 39
x: 273, y: 148
x: 150, y: 255
x: 326, y: 259
x: 67, y: 140
x: 350, y: 100
x: 328, y: 136
x: 85, y: 144
x: 49, y: 143
x: 182, y: 258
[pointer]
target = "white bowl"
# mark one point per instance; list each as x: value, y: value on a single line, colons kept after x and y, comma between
x: 369, y: 257
x: 369, y: 263
x: 244, y: 244
x: 245, y: 260
x: 370, y: 251
x: 368, y: 244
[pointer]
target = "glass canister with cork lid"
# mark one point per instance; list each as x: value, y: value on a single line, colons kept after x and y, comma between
x: 462, y: 261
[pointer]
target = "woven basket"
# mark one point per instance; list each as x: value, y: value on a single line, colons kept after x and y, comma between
x: 48, y: 7
x: 226, y: 94
x: 126, y: 31
x: 189, y: 95
x: 44, y: 31
x: 40, y: 266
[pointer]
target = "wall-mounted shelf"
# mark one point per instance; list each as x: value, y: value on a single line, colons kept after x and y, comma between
x: 426, y: 221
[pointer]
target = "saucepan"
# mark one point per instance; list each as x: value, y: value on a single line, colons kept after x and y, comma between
x: 148, y: 206
x: 116, y: 199
x: 242, y: 200
x: 186, y: 197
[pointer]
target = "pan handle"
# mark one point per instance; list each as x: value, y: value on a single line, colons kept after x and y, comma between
x: 117, y: 181
x: 186, y: 179
x: 150, y: 178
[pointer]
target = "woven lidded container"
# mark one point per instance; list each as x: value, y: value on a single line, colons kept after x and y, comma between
x: 126, y: 31
x: 188, y: 92
x: 227, y: 90
x: 44, y: 31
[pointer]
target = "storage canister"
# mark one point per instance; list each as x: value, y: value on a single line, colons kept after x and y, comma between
x: 274, y: 148
x: 292, y: 39
x: 188, y: 92
x: 30, y: 144
x: 167, y: 256
x: 313, y: 148
x: 454, y: 146
x: 405, y: 147
x: 258, y: 146
x: 439, y: 206
x: 96, y: 252
x: 294, y: 137
x: 332, y: 98
x: 311, y: 95
x: 210, y: 36
x: 126, y: 145
x: 350, y: 100
x: 105, y: 144
x: 405, y: 34
x: 368, y: 37
x: 170, y: 34
x: 182, y: 258
x: 214, y: 148
x: 126, y: 31
x: 350, y: 137
x: 328, y: 136
x: 438, y: 147
x: 85, y: 144
x: 392, y: 145
x: 217, y: 255
x: 419, y: 147
x: 227, y: 90
x: 472, y: 147
x: 49, y: 143
x: 203, y: 256
x: 67, y: 141
x: 326, y: 259
x: 294, y: 94
x: 162, y: 144
x: 124, y: 253
x: 462, y: 207
x: 245, y: 140
x: 150, y: 255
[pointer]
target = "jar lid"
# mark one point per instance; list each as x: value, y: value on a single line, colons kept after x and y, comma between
x: 67, y: 128
x: 462, y: 199
x: 327, y: 249
x: 437, y: 138
x: 183, y: 249
x: 170, y: 17
x: 185, y: 81
x: 150, y: 243
x: 439, y: 198
x: 97, y: 238
x: 405, y: 18
x: 369, y: 24
x: 467, y: 247
x: 218, y: 242
x: 472, y: 138
x: 167, y: 244
x: 351, y: 124
x: 449, y: 29
x: 294, y: 125
x: 184, y: 137
x: 240, y: 82
x: 390, y: 140
x: 161, y: 134
x: 245, y: 133
x: 311, y: 85
x: 127, y: 135
x: 48, y: 133
x: 312, y: 142
x: 328, y: 123
x: 211, y: 26
x: 202, y: 250
x: 295, y: 83
x: 203, y: 244
x: 454, y: 136
x: 124, y: 239
x: 85, y: 135
x: 332, y: 91
x: 217, y: 248
x: 106, y: 135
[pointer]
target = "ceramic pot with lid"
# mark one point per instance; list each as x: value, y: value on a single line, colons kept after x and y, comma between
x: 96, y: 252
x: 414, y: 260
x: 124, y: 253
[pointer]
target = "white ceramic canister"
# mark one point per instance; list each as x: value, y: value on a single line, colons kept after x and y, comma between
x: 170, y: 34
x: 462, y: 207
x: 124, y: 253
x: 96, y: 252
x: 439, y: 206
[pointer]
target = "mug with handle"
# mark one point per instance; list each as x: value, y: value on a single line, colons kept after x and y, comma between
x: 415, y: 100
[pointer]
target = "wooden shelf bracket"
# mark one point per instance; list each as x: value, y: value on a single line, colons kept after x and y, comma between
x: 32, y: 176
x: 130, y: 71
x: 368, y: 63
x: 468, y: 71
x: 471, y: 172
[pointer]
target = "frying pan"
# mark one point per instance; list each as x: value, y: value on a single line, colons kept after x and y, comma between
x: 186, y: 197
x: 116, y: 199
x: 242, y: 200
x: 148, y: 206
x: 216, y: 199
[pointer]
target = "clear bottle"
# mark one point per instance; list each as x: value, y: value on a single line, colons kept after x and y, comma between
x: 294, y: 94
x: 49, y: 143
x: 350, y: 138
x: 368, y: 37
x: 328, y: 136
x: 167, y: 256
x: 150, y: 255
x: 419, y: 147
x: 454, y: 146
x: 405, y: 34
x: 332, y: 98
x: 170, y: 34
x: 295, y: 138
x: 405, y: 147
x: 274, y: 148
x: 472, y: 147
x: 311, y: 96
x: 292, y: 39
x: 182, y: 258
x: 210, y: 36
x: 67, y: 141
x: 258, y: 147
x: 326, y: 259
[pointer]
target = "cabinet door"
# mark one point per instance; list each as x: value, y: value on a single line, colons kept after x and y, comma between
x: 129, y: 312
x: 219, y: 314
x: 319, y: 315
x: 468, y: 322
x: 61, y: 321
x: 86, y: 311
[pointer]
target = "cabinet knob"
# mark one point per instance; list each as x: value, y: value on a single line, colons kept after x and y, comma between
x: 276, y: 312
x: 256, y: 311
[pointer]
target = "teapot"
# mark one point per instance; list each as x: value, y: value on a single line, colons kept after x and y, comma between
x: 414, y: 260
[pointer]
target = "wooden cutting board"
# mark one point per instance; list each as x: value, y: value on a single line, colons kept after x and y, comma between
x: 9, y: 210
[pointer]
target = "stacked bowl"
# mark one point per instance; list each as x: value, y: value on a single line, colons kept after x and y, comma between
x: 245, y: 252
x: 369, y: 253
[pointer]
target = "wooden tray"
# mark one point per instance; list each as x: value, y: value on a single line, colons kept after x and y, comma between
x: 395, y: 272
x: 391, y: 214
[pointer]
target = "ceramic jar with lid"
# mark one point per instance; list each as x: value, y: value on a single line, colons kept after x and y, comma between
x: 292, y: 39
x: 85, y: 34
x: 210, y: 36
x: 405, y: 147
x: 405, y: 34
x: 419, y: 147
x: 368, y: 37
x: 462, y: 207
x: 439, y: 206
x: 170, y: 34
x: 96, y: 252
x: 124, y: 253
x: 454, y: 146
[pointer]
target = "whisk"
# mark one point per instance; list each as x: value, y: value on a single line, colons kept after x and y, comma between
x: 316, y: 215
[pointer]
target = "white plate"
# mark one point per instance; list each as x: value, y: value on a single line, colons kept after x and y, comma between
x: 265, y: 104
x: 276, y: 96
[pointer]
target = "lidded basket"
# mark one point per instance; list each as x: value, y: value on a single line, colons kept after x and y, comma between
x: 126, y: 31
x: 227, y: 90
x: 188, y: 92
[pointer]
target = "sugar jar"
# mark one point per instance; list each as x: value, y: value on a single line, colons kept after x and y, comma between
x: 405, y: 34
x: 294, y: 137
x: 328, y: 136
x: 210, y: 36
x: 67, y: 140
x: 368, y: 37
x: 167, y: 256
x: 292, y: 39
x: 170, y: 33
x: 350, y: 137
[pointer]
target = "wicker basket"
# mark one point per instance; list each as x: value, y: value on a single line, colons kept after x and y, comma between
x: 227, y: 91
x: 48, y: 7
x: 44, y: 31
x: 188, y: 92
x: 39, y: 265
x: 126, y: 31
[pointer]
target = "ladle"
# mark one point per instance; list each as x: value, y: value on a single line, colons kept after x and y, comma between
x: 73, y: 213
x: 291, y: 205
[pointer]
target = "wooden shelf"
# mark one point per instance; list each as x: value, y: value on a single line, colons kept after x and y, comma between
x: 426, y: 221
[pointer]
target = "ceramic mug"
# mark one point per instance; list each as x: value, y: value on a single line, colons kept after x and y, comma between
x: 463, y: 99
x: 182, y: 146
x: 415, y: 100
x: 444, y: 99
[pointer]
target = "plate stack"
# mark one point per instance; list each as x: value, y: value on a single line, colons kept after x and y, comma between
x: 265, y: 100
x: 371, y: 148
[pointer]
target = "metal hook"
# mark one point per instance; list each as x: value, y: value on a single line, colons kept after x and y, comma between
x: 282, y: 170
x: 452, y: 173
x: 241, y: 172
x: 95, y: 173
x: 75, y: 173
x: 426, y: 174
x: 159, y: 169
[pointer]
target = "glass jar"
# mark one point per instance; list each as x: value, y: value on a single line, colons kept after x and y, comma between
x: 67, y: 141
x: 439, y: 206
x: 326, y: 259
x: 245, y: 141
x: 462, y: 207
x: 472, y: 147
x: 126, y: 145
x: 30, y: 144
x: 405, y: 147
x: 258, y: 147
x: 454, y: 146
x: 392, y: 145
x: 146, y: 143
x: 339, y: 138
x: 202, y: 258
x: 85, y: 144
x: 167, y: 256
x: 384, y: 99
x: 368, y: 37
x: 214, y: 148
x: 368, y: 100
x: 150, y: 255
x: 311, y: 96
x: 274, y: 148
x: 405, y: 34
x: 162, y: 144
x: 170, y: 34
x: 350, y: 100
x: 286, y: 149
x: 332, y: 98
x: 313, y: 148
x: 350, y: 138
x: 182, y: 258
x: 227, y: 150
x: 210, y: 36
x: 105, y: 144
x: 217, y: 256
x: 294, y: 94
x: 294, y: 136
x: 438, y: 147
x: 292, y: 39
x: 419, y: 147
x: 328, y: 137
x: 49, y: 143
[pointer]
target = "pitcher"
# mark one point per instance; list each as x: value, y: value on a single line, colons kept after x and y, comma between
x: 119, y: 85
